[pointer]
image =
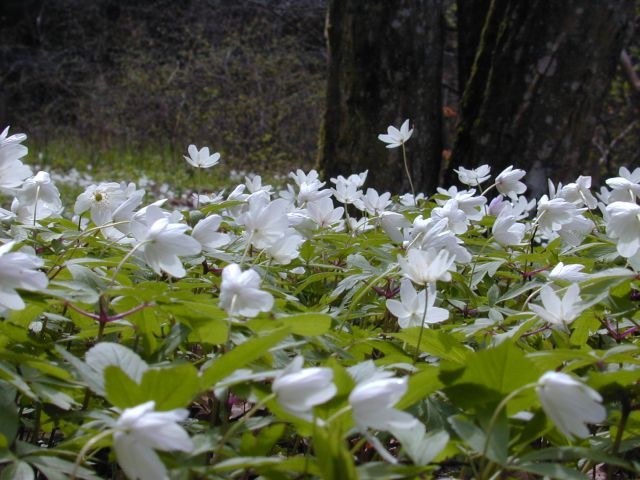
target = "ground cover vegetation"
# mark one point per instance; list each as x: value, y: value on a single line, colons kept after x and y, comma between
x: 166, y: 312
x: 325, y: 330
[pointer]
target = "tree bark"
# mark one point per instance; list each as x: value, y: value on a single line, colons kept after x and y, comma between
x: 385, y: 65
x: 538, y: 82
x: 471, y: 18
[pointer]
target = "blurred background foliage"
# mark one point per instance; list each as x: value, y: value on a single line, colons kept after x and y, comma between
x: 112, y: 83
x: 246, y: 78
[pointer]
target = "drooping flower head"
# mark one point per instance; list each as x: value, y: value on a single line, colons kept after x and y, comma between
x: 570, y: 404
x: 372, y: 403
x: 299, y: 389
x: 240, y: 292
x: 12, y: 171
x: 18, y: 270
x: 140, y: 431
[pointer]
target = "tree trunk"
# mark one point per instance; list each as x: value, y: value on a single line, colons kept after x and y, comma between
x: 471, y: 18
x: 385, y: 65
x: 537, y: 84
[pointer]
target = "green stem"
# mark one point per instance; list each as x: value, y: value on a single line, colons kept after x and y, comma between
x: 123, y: 261
x: 35, y: 205
x: 88, y: 446
x: 424, y: 317
x: 406, y: 169
x: 494, y: 418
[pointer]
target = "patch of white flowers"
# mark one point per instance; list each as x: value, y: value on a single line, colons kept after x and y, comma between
x: 255, y: 226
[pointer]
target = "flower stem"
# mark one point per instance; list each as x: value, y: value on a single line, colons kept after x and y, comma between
x: 88, y: 446
x: 123, y: 261
x: 406, y: 169
x: 494, y: 418
x: 424, y: 317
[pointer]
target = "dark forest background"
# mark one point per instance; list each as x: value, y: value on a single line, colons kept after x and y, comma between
x: 246, y: 77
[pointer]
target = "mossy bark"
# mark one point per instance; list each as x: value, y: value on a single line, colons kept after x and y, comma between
x: 385, y: 65
x: 537, y: 85
x: 471, y: 17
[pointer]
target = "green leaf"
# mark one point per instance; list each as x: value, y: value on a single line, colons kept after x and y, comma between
x: 334, y: 459
x: 245, y: 463
x: 240, y: 356
x: 107, y: 354
x: 503, y: 369
x: 476, y: 438
x: 569, y: 454
x: 89, y: 376
x: 120, y: 389
x: 422, y: 447
x: 307, y: 324
x: 17, y: 470
x: 551, y: 470
x: 421, y: 385
x: 262, y: 443
x: 170, y: 387
x: 55, y: 468
x: 583, y: 327
x: 437, y: 343
x: 213, y: 331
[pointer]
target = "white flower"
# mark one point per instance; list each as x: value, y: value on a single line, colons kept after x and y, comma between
x: 372, y: 403
x: 626, y: 187
x: 240, y: 292
x: 392, y: 223
x: 372, y: 202
x: 467, y: 202
x: 410, y: 310
x: 430, y: 234
x: 18, y: 270
x: 287, y: 248
x: 558, y: 312
x: 201, y: 158
x: 323, y: 213
x: 408, y: 200
x: 140, y: 431
x: 575, y: 231
x: 568, y: 273
x: 299, y: 389
x: 254, y: 184
x: 309, y: 186
x: 265, y: 222
x: 570, y: 404
x: 508, y: 181
x: 102, y: 200
x: 427, y: 266
x: 457, y: 220
x: 395, y: 137
x: 347, y: 193
x: 473, y: 177
x: 506, y: 230
x: 623, y: 223
x: 12, y: 170
x: 347, y: 189
x: 579, y: 193
x: 206, y: 233
x: 554, y: 213
x: 163, y: 242
x: 38, y: 198
x: 356, y: 179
